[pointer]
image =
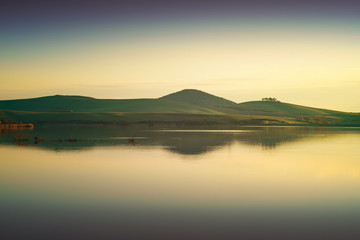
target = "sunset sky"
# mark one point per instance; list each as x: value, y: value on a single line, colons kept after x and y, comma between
x: 306, y: 53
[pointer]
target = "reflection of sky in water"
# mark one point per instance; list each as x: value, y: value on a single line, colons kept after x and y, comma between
x: 317, y: 177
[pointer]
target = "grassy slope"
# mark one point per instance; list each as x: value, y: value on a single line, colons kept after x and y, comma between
x: 186, y: 105
x: 291, y: 110
x: 203, y: 99
x: 86, y: 104
x: 279, y: 108
x: 197, y: 97
x: 179, y: 118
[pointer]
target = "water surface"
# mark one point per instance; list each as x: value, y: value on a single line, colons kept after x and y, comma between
x: 126, y: 183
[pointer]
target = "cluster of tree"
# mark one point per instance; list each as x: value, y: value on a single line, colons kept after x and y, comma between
x: 269, y: 99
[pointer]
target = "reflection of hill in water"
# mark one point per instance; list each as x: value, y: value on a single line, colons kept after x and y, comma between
x: 187, y: 142
x: 197, y: 143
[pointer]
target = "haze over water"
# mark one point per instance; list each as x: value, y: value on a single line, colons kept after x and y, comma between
x: 260, y: 182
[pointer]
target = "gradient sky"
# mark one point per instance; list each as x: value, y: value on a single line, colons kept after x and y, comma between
x: 306, y: 52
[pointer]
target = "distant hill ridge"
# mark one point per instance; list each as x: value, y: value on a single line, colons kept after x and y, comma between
x: 69, y: 103
x: 190, y: 101
x: 280, y: 108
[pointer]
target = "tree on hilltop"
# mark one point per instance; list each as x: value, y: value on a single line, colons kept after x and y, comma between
x: 270, y: 99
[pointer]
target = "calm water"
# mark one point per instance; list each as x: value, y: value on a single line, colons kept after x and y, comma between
x: 125, y: 183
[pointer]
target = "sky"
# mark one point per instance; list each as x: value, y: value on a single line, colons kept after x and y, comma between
x: 302, y: 52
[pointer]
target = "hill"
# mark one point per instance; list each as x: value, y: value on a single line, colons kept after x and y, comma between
x: 60, y: 103
x: 284, y: 109
x: 203, y: 99
x: 299, y: 113
x: 188, y: 105
x: 197, y: 97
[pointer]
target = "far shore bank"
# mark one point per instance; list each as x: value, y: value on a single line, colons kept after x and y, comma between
x: 177, y: 125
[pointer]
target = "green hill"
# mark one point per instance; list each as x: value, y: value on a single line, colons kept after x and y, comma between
x: 203, y: 99
x: 61, y: 103
x: 298, y: 113
x: 197, y: 97
x: 191, y: 106
x: 282, y: 109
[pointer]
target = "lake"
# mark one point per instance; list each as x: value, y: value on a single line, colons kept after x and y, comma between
x: 142, y: 183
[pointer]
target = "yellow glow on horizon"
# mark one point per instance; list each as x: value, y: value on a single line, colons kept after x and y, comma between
x: 259, y: 63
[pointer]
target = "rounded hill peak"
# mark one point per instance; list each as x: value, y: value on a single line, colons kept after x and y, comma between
x: 198, y: 97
